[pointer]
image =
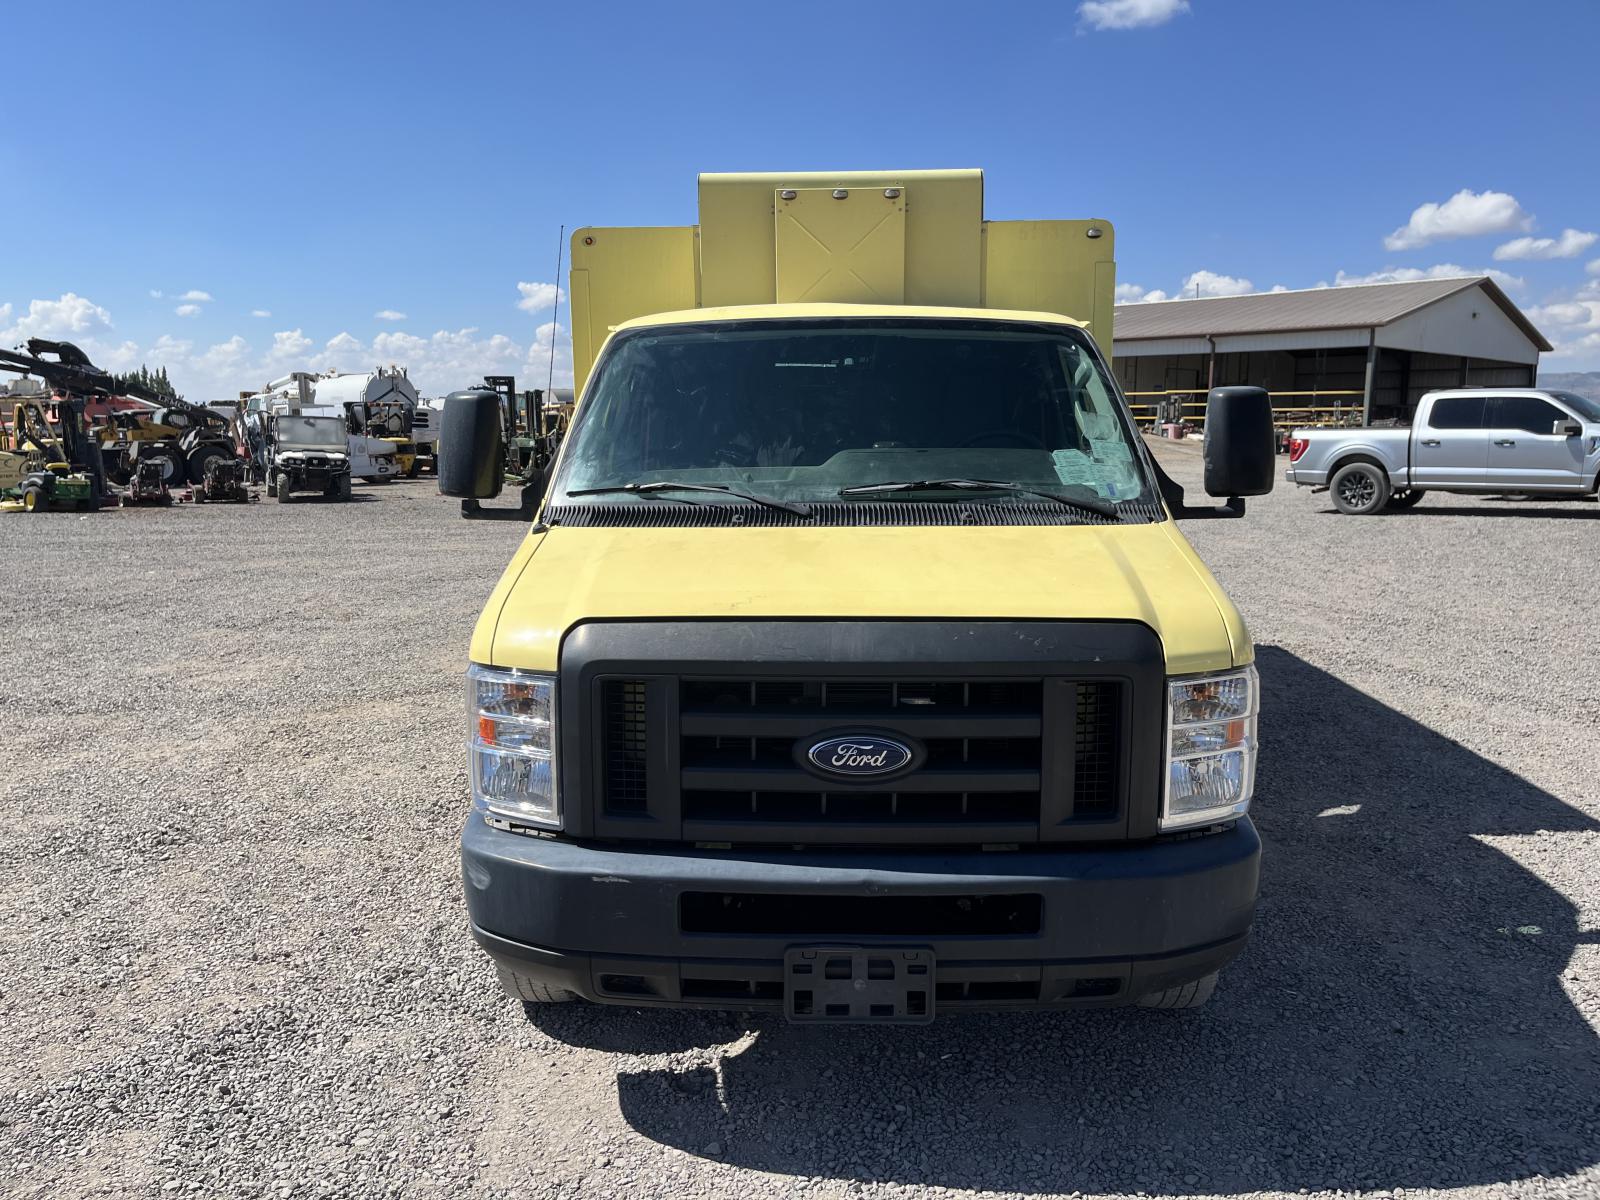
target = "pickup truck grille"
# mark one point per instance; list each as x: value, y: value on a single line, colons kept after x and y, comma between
x: 1000, y: 760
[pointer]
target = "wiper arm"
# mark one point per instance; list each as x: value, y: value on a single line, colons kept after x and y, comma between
x: 1089, y: 503
x: 667, y: 485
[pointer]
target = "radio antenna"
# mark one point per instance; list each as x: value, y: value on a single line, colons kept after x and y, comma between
x: 550, y: 378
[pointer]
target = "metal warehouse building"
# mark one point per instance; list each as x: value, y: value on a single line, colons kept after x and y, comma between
x: 1327, y: 355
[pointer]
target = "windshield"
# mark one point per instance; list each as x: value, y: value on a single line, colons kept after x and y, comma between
x: 1586, y: 408
x: 312, y: 431
x: 803, y: 410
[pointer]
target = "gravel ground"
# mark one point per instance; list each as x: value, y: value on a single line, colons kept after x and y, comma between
x: 235, y: 963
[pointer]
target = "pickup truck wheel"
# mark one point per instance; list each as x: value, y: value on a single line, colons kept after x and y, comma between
x: 1360, y: 489
x: 1406, y: 497
x: 1189, y: 995
x: 527, y: 989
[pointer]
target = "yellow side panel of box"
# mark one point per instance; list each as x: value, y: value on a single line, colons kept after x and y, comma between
x: 1053, y: 266
x: 619, y: 274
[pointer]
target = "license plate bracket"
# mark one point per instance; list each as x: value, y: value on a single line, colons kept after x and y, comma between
x: 872, y: 985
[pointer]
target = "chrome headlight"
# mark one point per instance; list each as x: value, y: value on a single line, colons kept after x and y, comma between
x: 512, y: 746
x: 1211, y: 747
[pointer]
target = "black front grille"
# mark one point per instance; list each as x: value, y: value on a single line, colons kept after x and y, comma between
x: 996, y: 760
x: 623, y: 713
x: 1095, y: 751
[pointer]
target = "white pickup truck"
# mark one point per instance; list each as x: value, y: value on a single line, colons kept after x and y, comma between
x: 1487, y: 441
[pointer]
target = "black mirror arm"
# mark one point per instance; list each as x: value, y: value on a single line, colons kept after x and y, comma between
x: 1172, y: 492
x: 532, y: 493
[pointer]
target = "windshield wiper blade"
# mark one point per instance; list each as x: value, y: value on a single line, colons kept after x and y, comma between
x: 667, y: 485
x: 1088, y: 503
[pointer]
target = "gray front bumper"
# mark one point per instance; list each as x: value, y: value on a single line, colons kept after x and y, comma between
x: 1147, y: 916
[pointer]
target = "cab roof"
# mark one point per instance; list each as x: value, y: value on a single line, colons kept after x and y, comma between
x: 791, y: 312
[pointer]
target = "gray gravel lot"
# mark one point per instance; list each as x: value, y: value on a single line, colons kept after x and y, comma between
x: 233, y: 958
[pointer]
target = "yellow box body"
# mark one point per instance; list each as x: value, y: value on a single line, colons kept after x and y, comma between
x: 850, y: 237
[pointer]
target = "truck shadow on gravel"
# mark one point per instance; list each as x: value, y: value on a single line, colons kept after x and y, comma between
x: 1399, y: 1019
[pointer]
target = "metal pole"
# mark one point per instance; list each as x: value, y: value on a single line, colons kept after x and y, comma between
x: 1372, y: 371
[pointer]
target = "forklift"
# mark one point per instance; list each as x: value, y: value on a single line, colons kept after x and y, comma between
x: 41, y: 469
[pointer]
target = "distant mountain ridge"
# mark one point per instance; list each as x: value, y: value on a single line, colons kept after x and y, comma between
x: 1585, y: 383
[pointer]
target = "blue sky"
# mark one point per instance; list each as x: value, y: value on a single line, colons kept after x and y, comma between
x: 328, y: 163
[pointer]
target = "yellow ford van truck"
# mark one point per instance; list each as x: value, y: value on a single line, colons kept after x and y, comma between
x: 854, y: 665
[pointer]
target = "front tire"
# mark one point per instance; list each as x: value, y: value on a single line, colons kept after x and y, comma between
x: 34, y: 500
x: 201, y: 456
x: 1360, y: 489
x: 1188, y: 995
x: 283, y: 489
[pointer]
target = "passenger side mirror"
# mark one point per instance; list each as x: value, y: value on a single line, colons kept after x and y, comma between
x: 1240, y: 448
x: 471, y: 459
x: 1567, y: 428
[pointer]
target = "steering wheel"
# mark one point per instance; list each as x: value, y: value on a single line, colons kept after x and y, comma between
x: 1002, y: 436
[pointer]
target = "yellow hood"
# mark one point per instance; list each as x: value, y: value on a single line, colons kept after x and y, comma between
x: 1145, y: 573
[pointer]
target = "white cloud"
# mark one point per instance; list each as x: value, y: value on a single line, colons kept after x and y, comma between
x: 1594, y: 267
x: 1202, y: 284
x: 1567, y: 317
x: 1209, y: 283
x: 168, y: 348
x: 1510, y: 282
x: 288, y: 344
x: 1466, y: 214
x: 388, y: 314
x: 1129, y: 14
x: 1570, y: 244
x: 196, y: 296
x: 224, y: 357
x: 5, y: 313
x: 536, y: 297
x: 116, y: 358
x: 187, y: 310
x: 156, y: 293
x: 260, y: 312
x: 72, y: 316
x: 1573, y: 326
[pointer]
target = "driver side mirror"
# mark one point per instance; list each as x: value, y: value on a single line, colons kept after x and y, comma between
x: 1567, y: 428
x: 471, y: 459
x: 1240, y: 446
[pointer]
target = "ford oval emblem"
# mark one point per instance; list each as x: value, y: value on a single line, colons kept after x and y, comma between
x: 859, y: 755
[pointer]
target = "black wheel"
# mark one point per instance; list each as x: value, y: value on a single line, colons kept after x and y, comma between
x: 341, y: 489
x: 34, y: 500
x: 283, y: 489
x: 1360, y: 489
x: 1188, y: 995
x: 1406, y: 497
x: 172, y: 469
x: 198, y: 459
